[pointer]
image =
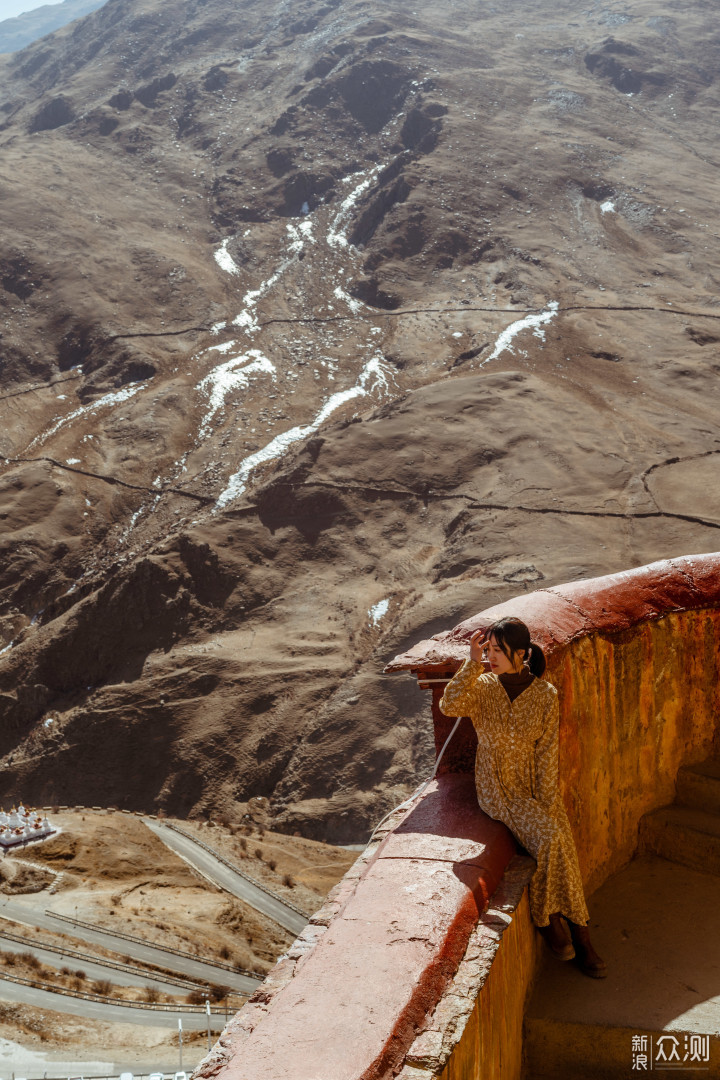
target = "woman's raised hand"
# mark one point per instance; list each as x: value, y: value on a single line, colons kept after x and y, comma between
x: 477, y: 646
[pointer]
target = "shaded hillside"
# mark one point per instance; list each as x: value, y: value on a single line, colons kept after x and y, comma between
x: 22, y: 30
x: 323, y: 326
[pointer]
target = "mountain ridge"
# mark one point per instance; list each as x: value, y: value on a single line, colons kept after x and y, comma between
x: 323, y: 327
x: 21, y: 30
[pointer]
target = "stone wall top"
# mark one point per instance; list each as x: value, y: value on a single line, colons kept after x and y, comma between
x: 560, y: 614
x: 348, y: 1000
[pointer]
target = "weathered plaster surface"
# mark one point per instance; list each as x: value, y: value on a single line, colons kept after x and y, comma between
x: 462, y: 1038
x: 357, y: 986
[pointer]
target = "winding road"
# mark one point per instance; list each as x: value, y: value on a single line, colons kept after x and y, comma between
x: 93, y: 968
x: 99, y: 1010
x: 148, y: 954
x: 211, y: 867
x: 230, y: 880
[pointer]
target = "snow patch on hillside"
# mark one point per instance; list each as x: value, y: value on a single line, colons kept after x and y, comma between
x: 378, y: 612
x: 530, y: 322
x: 354, y: 305
x: 336, y: 236
x: 373, y: 378
x: 117, y: 397
x: 228, y: 377
x: 225, y: 260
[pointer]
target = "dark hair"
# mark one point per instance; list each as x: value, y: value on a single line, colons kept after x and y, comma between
x: 512, y: 634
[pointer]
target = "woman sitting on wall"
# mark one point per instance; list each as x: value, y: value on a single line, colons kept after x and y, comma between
x: 516, y: 716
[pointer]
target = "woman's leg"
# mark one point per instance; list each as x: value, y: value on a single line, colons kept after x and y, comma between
x: 556, y: 885
x: 558, y: 938
x: 590, y: 963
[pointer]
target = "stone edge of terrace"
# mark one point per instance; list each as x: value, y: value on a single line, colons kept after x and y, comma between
x: 239, y: 1051
x: 559, y: 614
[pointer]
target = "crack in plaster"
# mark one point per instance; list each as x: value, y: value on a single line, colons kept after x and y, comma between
x: 431, y: 1050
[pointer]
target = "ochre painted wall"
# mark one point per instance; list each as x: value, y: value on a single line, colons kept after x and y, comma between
x: 635, y: 706
x: 490, y: 1047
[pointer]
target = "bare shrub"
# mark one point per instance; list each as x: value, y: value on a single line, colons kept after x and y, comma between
x: 289, y: 881
x: 196, y: 997
x: 243, y: 843
x: 225, y: 952
x: 151, y: 994
x: 258, y: 853
x: 102, y: 987
x: 80, y: 975
x: 272, y: 864
x: 217, y: 993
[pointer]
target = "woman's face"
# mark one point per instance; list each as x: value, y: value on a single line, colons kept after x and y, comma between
x: 499, y: 662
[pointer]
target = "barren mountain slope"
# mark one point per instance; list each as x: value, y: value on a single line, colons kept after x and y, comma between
x: 324, y: 326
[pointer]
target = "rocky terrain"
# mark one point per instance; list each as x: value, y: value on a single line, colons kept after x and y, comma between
x: 323, y: 326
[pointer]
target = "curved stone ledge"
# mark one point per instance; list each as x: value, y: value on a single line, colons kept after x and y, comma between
x: 563, y: 613
x: 354, y: 991
x: 457, y: 1027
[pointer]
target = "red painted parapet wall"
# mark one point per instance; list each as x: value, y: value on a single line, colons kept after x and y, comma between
x: 419, y: 963
x: 352, y: 994
x: 635, y: 657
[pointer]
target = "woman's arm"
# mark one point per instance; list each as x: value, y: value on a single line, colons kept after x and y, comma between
x: 546, y: 754
x: 461, y: 696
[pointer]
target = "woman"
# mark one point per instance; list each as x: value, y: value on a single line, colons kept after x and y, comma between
x: 516, y: 716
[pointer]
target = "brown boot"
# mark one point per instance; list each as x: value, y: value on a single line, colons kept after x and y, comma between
x: 588, y: 960
x: 557, y: 938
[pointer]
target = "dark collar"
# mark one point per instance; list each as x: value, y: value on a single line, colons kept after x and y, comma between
x: 516, y: 678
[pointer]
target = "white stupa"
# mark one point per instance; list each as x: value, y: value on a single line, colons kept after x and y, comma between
x: 23, y: 826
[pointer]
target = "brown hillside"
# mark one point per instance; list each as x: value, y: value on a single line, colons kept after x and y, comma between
x: 267, y: 412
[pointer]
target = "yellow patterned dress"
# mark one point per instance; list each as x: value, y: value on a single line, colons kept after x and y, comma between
x: 516, y: 777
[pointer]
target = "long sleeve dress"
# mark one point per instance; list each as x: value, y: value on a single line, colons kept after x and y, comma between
x: 516, y: 777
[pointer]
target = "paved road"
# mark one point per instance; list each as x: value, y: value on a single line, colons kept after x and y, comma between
x: 97, y: 1010
x: 94, y: 969
x: 227, y: 879
x: 195, y: 969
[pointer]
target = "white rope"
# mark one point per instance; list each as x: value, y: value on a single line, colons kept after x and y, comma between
x: 419, y: 790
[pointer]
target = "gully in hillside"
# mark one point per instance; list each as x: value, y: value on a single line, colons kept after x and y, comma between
x: 516, y: 716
